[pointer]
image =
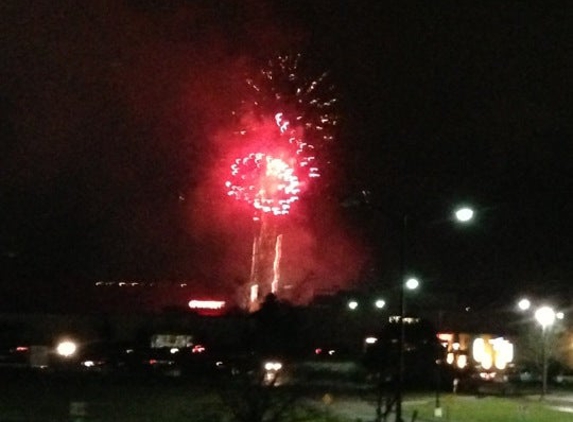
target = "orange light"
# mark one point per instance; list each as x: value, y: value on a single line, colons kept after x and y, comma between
x: 462, y: 361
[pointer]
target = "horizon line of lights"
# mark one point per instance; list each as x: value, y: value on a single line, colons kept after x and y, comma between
x: 141, y: 283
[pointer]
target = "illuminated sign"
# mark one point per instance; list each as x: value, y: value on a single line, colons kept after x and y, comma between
x: 206, y: 304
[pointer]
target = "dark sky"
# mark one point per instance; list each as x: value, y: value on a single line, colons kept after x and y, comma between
x: 112, y: 115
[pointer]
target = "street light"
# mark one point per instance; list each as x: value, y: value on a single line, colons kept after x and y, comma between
x: 524, y: 304
x: 352, y: 304
x: 463, y: 215
x: 545, y: 316
x: 410, y: 284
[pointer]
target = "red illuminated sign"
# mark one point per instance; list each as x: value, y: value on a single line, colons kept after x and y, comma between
x: 207, y: 304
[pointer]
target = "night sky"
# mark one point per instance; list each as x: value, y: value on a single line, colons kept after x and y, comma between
x: 113, y: 117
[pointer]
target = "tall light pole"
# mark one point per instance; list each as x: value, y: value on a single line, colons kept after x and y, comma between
x: 409, y: 284
x: 545, y: 316
x: 462, y: 214
x: 402, y: 334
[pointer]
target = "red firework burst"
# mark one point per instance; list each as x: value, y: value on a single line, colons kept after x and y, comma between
x: 267, y: 183
x: 299, y: 113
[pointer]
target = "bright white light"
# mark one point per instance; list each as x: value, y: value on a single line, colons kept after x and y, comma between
x: 487, y: 361
x: 352, y: 304
x: 478, y: 349
x: 503, y: 350
x: 462, y: 361
x: 380, y: 303
x: 509, y: 352
x: 559, y: 315
x: 464, y: 214
x: 370, y: 340
x: 273, y: 366
x: 412, y: 283
x: 524, y: 304
x: 450, y: 358
x: 545, y: 316
x: 66, y: 348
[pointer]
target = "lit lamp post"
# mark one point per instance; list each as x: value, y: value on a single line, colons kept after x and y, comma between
x: 461, y: 215
x: 409, y: 284
x: 545, y: 316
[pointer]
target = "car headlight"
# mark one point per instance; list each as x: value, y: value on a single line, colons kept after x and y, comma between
x: 273, y: 366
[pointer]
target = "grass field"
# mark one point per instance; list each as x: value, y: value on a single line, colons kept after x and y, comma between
x: 462, y: 408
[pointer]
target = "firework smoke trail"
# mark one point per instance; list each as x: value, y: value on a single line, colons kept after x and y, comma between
x: 293, y: 120
x: 276, y: 264
x: 266, y: 256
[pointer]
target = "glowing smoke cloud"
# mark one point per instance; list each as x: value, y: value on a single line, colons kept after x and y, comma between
x: 283, y: 160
